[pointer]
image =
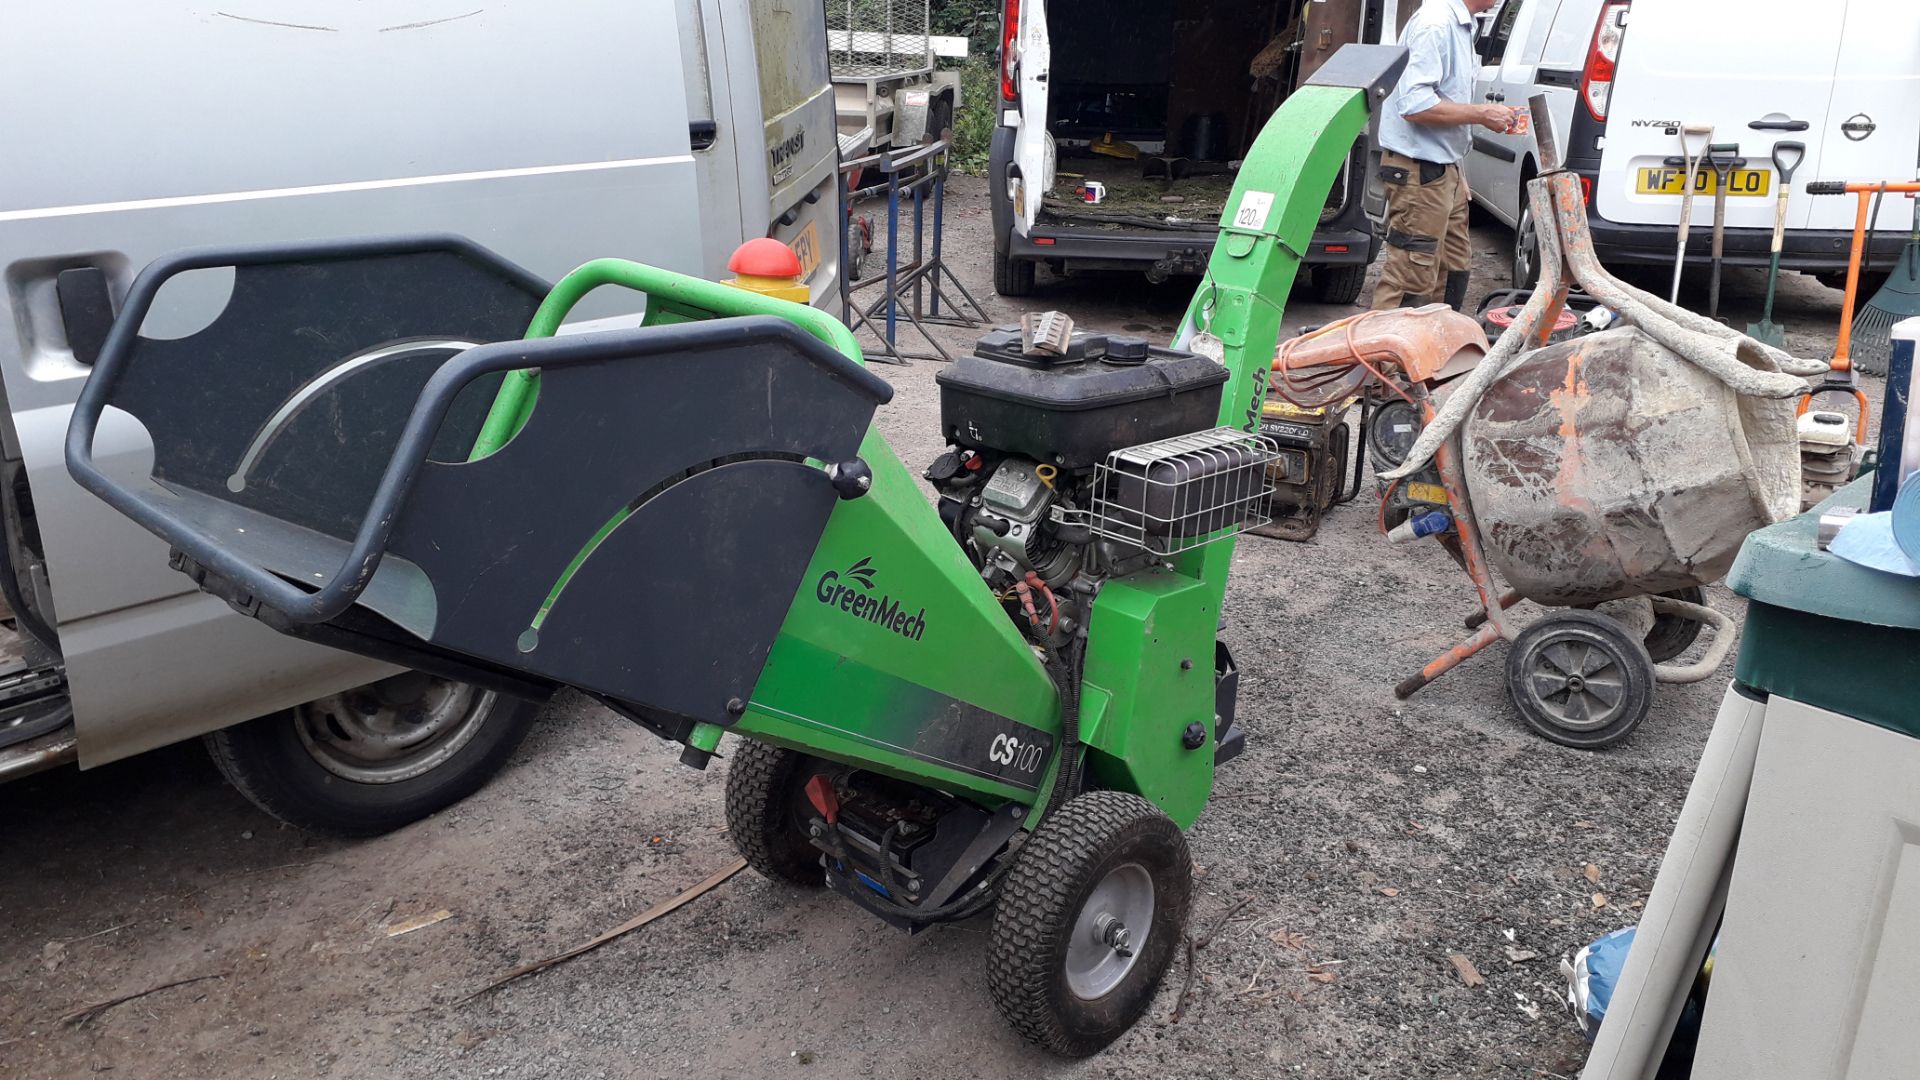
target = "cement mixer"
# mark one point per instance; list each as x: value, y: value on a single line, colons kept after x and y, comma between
x: 1609, y: 467
x: 1609, y: 477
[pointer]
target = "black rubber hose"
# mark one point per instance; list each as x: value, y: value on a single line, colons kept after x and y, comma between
x: 970, y: 904
x: 1066, y: 662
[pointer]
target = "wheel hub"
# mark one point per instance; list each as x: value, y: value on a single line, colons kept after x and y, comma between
x: 1108, y: 935
x: 1114, y: 934
x: 1578, y: 683
x: 393, y: 730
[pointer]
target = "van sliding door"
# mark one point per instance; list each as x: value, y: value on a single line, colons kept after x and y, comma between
x: 249, y: 125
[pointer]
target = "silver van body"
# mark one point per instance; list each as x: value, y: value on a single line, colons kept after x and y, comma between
x: 550, y: 133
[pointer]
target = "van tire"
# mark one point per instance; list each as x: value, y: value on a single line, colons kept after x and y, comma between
x: 269, y: 761
x: 1870, y: 283
x: 1524, y: 270
x: 1011, y: 276
x: 1339, y: 284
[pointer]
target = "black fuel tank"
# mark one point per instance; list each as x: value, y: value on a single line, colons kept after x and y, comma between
x: 1105, y: 393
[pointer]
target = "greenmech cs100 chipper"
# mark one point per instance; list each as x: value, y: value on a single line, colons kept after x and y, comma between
x: 1013, y: 699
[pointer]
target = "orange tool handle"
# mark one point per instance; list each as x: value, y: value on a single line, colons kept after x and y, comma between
x: 1843, y: 348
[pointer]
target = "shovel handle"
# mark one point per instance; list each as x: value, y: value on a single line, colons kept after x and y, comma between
x: 1787, y: 157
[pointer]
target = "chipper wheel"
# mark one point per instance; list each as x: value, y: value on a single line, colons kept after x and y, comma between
x: 1088, y: 919
x: 1580, y: 679
x: 765, y: 807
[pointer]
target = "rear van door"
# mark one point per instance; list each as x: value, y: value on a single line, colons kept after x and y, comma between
x: 1033, y: 149
x: 1734, y: 64
x: 794, y: 185
x: 1871, y: 130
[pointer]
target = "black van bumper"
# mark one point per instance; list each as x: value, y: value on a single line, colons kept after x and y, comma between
x: 1173, y: 252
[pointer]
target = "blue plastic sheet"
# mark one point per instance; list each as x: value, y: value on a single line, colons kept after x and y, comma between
x: 1594, y: 974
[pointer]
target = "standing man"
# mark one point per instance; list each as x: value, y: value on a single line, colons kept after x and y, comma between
x: 1426, y: 128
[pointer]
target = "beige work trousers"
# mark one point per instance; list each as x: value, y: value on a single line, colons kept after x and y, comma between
x: 1426, y: 234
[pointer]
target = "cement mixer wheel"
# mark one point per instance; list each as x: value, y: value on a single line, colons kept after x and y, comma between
x: 1674, y: 634
x: 1579, y: 679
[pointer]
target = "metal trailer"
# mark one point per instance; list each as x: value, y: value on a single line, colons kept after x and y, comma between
x: 888, y: 93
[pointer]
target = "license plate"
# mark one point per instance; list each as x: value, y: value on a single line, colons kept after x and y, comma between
x: 1741, y: 183
x: 1427, y: 493
x: 807, y: 246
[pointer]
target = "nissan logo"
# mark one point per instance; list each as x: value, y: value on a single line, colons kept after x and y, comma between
x: 1858, y: 127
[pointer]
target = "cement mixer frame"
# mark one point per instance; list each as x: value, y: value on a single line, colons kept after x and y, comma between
x: 1629, y: 588
x: 1583, y: 677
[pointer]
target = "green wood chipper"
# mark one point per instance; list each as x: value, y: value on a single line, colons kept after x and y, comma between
x: 1012, y: 699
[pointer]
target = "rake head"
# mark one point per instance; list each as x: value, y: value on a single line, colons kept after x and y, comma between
x: 1898, y: 299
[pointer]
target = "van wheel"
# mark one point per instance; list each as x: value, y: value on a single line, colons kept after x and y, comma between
x: 1011, y: 276
x: 857, y: 248
x: 1870, y: 281
x: 375, y: 758
x: 1339, y: 284
x: 1526, y: 248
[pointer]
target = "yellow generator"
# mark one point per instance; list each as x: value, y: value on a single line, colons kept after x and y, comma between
x: 1309, y: 475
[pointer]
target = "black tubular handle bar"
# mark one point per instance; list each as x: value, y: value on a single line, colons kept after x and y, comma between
x: 369, y: 545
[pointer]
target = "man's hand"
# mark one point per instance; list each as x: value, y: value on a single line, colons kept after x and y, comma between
x: 1497, y: 118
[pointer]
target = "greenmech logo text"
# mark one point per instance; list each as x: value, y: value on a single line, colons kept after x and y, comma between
x: 885, y: 611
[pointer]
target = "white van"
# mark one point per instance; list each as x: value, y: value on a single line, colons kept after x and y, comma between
x: 1157, y: 100
x: 668, y: 132
x: 1840, y: 76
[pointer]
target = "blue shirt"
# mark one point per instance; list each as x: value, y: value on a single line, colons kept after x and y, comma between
x: 1440, y: 67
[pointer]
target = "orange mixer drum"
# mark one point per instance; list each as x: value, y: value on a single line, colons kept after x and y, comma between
x: 1607, y: 466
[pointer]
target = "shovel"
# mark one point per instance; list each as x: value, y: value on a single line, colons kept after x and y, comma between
x: 1722, y: 174
x: 1693, y: 143
x: 1787, y: 157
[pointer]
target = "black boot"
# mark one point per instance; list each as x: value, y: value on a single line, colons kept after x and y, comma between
x: 1408, y: 300
x: 1457, y: 289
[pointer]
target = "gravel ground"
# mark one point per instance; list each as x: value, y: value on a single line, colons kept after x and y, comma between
x: 1369, y: 838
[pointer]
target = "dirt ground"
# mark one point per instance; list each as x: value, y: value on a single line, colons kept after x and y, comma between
x: 1369, y: 837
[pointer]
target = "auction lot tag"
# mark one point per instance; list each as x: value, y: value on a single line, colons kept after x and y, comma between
x: 1254, y: 207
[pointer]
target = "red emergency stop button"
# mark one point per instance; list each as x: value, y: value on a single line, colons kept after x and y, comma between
x: 765, y: 257
x: 768, y: 267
